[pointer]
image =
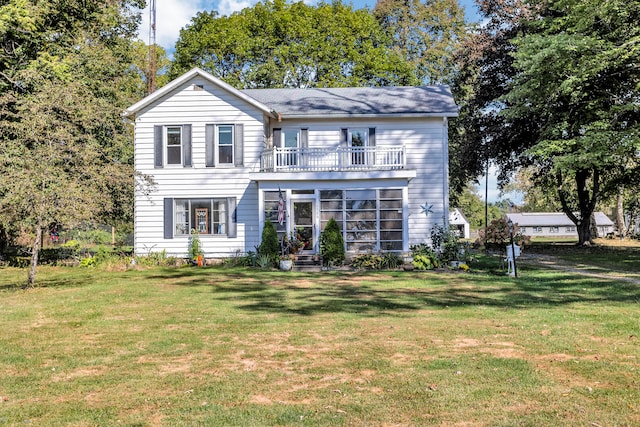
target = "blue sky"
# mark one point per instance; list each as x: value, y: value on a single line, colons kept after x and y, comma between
x: 172, y: 15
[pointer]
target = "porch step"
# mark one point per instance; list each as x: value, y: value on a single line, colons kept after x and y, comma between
x: 307, y: 263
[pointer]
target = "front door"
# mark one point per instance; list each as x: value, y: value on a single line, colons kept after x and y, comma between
x: 303, y: 223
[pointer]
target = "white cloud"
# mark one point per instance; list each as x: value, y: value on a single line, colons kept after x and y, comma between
x: 171, y: 16
x: 227, y: 7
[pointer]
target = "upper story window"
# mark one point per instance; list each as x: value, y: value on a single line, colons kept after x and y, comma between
x: 290, y: 139
x: 357, y: 140
x: 172, y: 145
x: 224, y: 144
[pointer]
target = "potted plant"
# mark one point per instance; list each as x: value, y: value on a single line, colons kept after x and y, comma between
x: 286, y: 262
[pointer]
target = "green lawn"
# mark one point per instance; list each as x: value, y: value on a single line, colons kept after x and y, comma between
x: 242, y: 347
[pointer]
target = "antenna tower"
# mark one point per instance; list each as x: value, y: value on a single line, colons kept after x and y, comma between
x: 151, y: 81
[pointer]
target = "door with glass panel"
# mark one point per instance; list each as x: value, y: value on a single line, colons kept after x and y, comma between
x: 358, y: 142
x: 303, y: 223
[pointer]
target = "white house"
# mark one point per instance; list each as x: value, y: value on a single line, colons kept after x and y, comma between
x: 225, y: 160
x: 552, y: 224
x: 459, y: 223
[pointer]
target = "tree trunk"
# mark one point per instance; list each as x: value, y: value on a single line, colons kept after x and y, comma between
x: 584, y: 231
x: 34, y: 257
x: 622, y: 229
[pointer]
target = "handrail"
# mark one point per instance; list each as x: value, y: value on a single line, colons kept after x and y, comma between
x: 340, y: 159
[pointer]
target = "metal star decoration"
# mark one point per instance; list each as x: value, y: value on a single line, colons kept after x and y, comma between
x: 426, y: 209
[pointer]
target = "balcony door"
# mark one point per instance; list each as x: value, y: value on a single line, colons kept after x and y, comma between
x: 304, y: 223
x: 358, y: 142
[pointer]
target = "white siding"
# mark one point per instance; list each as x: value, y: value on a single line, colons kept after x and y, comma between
x: 422, y: 138
x: 198, y: 108
x: 423, y: 141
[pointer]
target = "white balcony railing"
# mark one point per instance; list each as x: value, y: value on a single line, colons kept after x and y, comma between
x: 340, y: 159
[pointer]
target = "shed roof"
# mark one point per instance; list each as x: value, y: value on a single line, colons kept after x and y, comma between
x: 552, y: 219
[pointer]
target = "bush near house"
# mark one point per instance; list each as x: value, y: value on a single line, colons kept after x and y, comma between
x: 332, y: 244
x: 269, y: 245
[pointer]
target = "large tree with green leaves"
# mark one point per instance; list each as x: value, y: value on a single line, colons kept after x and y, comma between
x: 65, y: 151
x: 556, y: 88
x: 280, y: 44
x: 425, y: 33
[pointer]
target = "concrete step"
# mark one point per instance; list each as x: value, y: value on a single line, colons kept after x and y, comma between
x: 307, y: 263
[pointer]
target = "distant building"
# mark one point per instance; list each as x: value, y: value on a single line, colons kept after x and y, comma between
x: 552, y: 224
x: 458, y: 222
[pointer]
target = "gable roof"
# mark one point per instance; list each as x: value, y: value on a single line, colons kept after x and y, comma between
x: 457, y: 217
x: 400, y: 101
x: 193, y: 73
x: 428, y: 101
x: 552, y: 219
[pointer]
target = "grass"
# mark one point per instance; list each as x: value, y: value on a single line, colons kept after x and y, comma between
x: 240, y: 347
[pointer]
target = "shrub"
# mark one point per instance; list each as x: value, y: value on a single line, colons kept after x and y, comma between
x: 269, y: 245
x: 498, y: 235
x: 391, y: 261
x: 367, y: 262
x: 445, y: 243
x: 264, y: 261
x: 424, y: 252
x: 423, y: 262
x: 332, y: 244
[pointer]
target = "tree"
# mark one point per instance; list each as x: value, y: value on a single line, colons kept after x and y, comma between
x: 566, y: 97
x: 426, y: 34
x: 579, y: 76
x: 279, y: 44
x: 65, y: 151
x: 141, y: 62
x: 473, y: 208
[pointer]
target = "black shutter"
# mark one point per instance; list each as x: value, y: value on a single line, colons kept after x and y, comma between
x: 157, y: 146
x: 372, y: 143
x: 304, y: 138
x: 186, y: 145
x: 232, y: 218
x: 168, y: 218
x: 277, y: 137
x: 344, y: 135
x: 209, y: 132
x: 238, y: 147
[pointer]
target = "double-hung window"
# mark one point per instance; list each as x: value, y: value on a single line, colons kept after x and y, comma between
x: 224, y: 135
x: 172, y: 145
x: 224, y: 144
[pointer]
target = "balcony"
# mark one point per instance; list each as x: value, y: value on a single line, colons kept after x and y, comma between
x: 341, y: 159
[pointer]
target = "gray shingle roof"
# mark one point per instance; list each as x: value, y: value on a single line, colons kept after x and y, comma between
x: 552, y: 219
x: 374, y: 101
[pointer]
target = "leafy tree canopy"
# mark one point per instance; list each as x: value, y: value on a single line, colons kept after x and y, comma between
x: 65, y: 151
x: 280, y: 44
x: 426, y: 34
x: 555, y: 86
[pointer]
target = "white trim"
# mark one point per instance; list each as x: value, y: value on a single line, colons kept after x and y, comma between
x: 260, y: 177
